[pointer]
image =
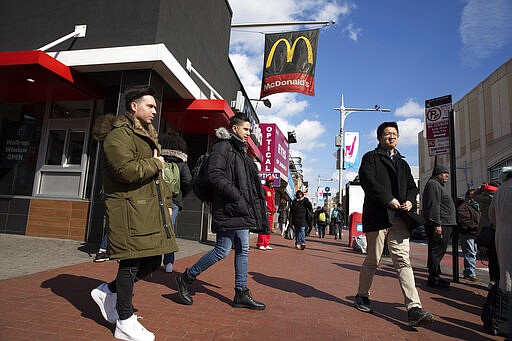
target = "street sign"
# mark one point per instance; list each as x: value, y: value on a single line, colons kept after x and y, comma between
x: 437, y: 112
x: 327, y: 189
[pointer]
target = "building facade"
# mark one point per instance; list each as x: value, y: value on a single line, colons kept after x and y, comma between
x: 483, y: 133
x: 50, y: 166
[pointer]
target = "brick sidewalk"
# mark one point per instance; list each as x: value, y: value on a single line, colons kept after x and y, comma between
x: 309, y: 296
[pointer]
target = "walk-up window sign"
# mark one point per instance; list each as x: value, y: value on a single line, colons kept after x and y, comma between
x: 437, y: 112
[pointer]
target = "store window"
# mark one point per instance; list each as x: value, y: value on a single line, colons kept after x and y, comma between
x: 495, y: 171
x: 64, y: 160
x: 20, y: 134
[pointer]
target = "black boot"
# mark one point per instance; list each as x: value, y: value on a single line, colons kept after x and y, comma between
x: 243, y: 299
x: 184, y: 284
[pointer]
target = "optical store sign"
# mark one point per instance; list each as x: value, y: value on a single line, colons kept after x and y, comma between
x: 274, y: 149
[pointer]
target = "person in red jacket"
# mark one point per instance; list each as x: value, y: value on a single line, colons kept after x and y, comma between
x: 263, y: 242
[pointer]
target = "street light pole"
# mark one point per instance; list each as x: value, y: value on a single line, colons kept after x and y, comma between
x: 344, y: 112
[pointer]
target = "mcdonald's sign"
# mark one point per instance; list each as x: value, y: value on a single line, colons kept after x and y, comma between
x: 289, y: 62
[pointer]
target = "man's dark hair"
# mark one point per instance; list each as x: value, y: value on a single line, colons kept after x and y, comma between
x: 238, y: 119
x: 133, y: 93
x: 385, y: 125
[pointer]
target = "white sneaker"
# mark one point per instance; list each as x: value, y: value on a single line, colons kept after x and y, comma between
x: 269, y: 247
x: 262, y: 247
x: 130, y: 329
x: 106, y: 300
x: 168, y: 267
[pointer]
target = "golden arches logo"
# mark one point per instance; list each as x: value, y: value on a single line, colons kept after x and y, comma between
x: 289, y: 50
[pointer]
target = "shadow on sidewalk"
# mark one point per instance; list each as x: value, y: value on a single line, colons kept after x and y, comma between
x: 169, y: 280
x: 76, y: 290
x: 301, y: 289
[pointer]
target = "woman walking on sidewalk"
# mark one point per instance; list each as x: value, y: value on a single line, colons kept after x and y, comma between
x: 301, y: 212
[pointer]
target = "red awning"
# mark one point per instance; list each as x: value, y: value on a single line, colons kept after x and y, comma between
x: 34, y: 76
x: 202, y: 117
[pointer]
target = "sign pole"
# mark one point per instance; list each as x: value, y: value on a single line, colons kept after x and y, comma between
x: 453, y: 183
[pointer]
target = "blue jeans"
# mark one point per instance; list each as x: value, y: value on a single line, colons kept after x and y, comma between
x: 468, y: 245
x: 169, y: 257
x: 238, y: 238
x: 300, y: 235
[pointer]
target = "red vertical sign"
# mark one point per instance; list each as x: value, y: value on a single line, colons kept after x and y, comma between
x: 274, y: 149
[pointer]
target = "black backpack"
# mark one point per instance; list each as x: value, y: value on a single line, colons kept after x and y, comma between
x: 200, y: 184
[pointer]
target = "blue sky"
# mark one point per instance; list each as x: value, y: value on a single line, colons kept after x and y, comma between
x: 393, y: 53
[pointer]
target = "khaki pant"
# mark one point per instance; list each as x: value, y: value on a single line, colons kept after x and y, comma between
x: 398, y: 245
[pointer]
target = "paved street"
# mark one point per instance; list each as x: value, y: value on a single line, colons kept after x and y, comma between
x: 309, y: 296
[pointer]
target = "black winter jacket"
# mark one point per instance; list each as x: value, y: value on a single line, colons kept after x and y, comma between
x: 238, y: 196
x: 298, y: 210
x: 382, y: 180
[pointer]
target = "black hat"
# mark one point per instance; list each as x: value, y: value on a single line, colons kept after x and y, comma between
x: 439, y: 169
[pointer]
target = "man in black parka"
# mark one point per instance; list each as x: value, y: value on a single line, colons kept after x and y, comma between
x: 238, y: 206
x: 389, y: 195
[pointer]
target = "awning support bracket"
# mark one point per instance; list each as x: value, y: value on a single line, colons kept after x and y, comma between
x: 79, y: 32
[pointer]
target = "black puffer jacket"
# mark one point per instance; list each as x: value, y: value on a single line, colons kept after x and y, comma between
x: 238, y: 197
x: 382, y: 180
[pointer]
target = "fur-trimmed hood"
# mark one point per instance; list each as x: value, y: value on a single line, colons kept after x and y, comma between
x: 102, y: 126
x: 105, y: 123
x: 172, y: 153
x: 222, y: 133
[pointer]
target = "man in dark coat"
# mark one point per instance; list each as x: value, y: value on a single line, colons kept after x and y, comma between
x: 439, y: 211
x: 137, y: 205
x: 389, y: 194
x: 238, y: 206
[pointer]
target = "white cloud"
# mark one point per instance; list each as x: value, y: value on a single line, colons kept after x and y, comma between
x: 353, y: 32
x: 485, y: 27
x: 409, y: 130
x: 411, y: 108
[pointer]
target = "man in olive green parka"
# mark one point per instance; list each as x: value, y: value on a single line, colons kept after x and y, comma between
x: 137, y: 207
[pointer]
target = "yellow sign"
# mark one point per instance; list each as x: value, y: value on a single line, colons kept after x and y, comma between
x: 289, y: 50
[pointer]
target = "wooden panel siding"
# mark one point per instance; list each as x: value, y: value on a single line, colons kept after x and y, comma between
x: 57, y: 219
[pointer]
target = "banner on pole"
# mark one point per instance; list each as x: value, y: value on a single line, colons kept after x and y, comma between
x: 351, y: 148
x: 437, y: 111
x: 289, y: 62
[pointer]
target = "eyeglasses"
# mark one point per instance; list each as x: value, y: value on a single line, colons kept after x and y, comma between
x: 391, y: 135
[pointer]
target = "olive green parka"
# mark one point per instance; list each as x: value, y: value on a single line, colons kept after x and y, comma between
x: 139, y: 221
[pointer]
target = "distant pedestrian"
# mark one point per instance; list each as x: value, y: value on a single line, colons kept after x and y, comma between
x: 321, y: 221
x: 136, y: 205
x: 238, y: 206
x: 468, y: 218
x: 439, y: 211
x: 174, y: 149
x: 337, y: 222
x: 390, y: 192
x: 263, y: 242
x: 282, y: 218
x: 301, y: 211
